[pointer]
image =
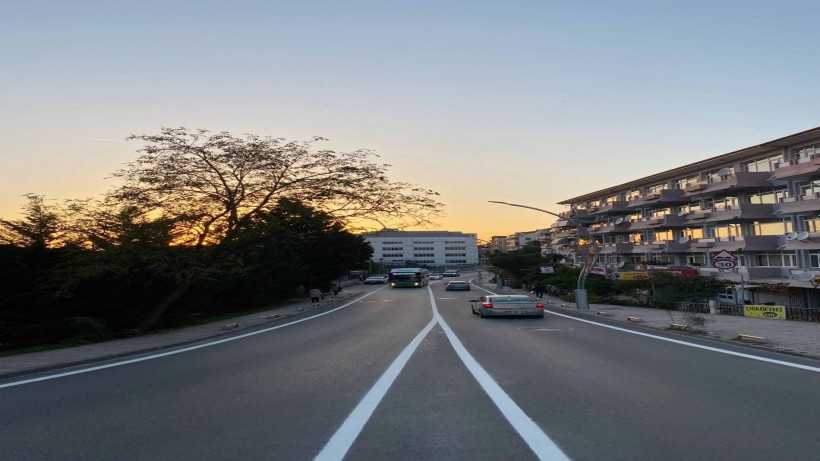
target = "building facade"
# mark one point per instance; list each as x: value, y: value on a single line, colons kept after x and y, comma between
x: 760, y: 204
x: 429, y: 248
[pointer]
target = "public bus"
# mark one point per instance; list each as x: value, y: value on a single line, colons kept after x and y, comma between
x: 408, y: 277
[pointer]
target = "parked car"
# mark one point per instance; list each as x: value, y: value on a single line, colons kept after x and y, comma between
x: 451, y: 273
x: 506, y: 305
x: 435, y: 276
x: 457, y: 285
x: 376, y: 279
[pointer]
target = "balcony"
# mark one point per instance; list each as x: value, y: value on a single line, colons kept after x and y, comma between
x: 616, y: 227
x: 616, y: 248
x: 801, y: 204
x: 795, y: 169
x: 664, y: 197
x: 697, y: 217
x: 800, y: 241
x: 670, y: 220
x: 734, y: 182
x: 744, y: 211
x: 583, y: 216
x: 616, y: 207
x: 647, y: 247
x: 746, y: 243
x: 700, y: 245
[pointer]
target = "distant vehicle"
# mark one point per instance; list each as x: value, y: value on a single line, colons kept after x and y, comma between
x: 376, y: 279
x: 506, y: 305
x: 457, y: 285
x: 451, y: 273
x: 435, y: 276
x: 408, y: 277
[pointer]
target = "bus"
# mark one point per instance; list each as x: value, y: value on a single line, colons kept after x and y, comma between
x: 408, y: 277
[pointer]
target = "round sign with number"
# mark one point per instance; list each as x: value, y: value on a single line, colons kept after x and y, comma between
x: 724, y: 264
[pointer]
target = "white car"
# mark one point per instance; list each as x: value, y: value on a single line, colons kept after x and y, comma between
x: 376, y: 279
x: 435, y: 276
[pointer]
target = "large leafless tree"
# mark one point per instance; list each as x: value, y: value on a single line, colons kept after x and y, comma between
x: 219, y: 182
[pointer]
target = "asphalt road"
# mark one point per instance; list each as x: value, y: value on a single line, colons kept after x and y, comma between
x: 411, y: 374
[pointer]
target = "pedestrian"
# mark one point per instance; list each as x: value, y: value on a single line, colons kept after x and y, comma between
x: 336, y: 289
x: 315, y: 296
x: 539, y: 290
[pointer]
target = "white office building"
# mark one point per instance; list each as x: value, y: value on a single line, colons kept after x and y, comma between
x: 428, y: 248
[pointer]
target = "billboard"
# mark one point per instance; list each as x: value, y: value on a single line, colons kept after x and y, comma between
x: 764, y: 311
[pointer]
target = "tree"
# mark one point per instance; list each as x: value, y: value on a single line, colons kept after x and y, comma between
x: 213, y: 187
x: 523, y: 264
x: 39, y: 228
x: 223, y: 182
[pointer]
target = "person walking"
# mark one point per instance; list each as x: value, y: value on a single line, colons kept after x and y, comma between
x: 336, y: 289
x: 539, y: 290
x: 315, y: 296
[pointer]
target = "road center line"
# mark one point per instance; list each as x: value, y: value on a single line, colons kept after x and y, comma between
x: 179, y: 351
x: 539, y: 442
x: 338, y: 445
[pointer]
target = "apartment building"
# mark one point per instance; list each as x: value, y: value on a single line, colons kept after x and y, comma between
x: 430, y: 248
x: 760, y: 204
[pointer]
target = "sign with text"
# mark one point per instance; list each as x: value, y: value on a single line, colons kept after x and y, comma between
x: 547, y: 270
x: 723, y: 260
x: 764, y: 311
x: 634, y: 275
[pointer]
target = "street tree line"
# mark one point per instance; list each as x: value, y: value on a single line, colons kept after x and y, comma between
x: 664, y: 289
x: 199, y: 224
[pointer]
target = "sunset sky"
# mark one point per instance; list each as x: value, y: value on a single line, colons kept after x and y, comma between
x: 531, y: 102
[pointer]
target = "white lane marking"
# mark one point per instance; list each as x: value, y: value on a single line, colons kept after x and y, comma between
x: 697, y: 346
x: 684, y: 343
x: 179, y: 351
x: 539, y: 442
x: 339, y: 444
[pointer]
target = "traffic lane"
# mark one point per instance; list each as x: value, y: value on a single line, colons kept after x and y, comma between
x: 277, y: 395
x: 437, y: 410
x: 640, y: 398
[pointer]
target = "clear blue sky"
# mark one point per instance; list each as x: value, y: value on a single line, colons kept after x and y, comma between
x: 521, y: 101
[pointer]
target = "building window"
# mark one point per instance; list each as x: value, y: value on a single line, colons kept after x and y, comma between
x: 686, y: 182
x: 697, y: 259
x: 771, y: 228
x: 814, y: 260
x: 724, y: 231
x: 455, y: 248
x: 424, y: 255
x: 776, y: 259
x: 660, y: 213
x: 763, y: 164
x: 660, y: 236
x: 693, y: 233
x: 768, y: 197
x: 423, y: 248
x: 812, y: 224
x: 656, y: 189
x: 454, y: 254
x: 719, y: 204
x: 804, y: 154
x: 393, y: 255
x: 687, y: 209
x: 392, y: 248
x: 809, y: 189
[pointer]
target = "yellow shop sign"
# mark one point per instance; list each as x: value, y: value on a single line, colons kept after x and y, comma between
x: 764, y: 311
x: 634, y: 275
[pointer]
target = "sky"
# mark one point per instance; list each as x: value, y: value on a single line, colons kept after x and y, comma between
x: 529, y: 102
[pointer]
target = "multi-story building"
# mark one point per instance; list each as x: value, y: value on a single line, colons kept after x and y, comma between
x: 498, y: 243
x: 760, y: 204
x: 519, y: 240
x: 430, y: 248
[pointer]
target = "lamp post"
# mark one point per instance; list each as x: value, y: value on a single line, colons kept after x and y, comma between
x: 581, y: 299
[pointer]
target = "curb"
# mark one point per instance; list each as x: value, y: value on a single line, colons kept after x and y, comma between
x: 144, y: 350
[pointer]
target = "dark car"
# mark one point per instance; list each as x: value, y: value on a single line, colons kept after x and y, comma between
x: 457, y: 285
x: 451, y: 273
x: 377, y: 279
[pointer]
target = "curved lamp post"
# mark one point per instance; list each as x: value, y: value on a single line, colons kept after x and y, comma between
x: 581, y: 299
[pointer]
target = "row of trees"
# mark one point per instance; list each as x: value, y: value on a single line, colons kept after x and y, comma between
x: 198, y: 223
x: 663, y: 289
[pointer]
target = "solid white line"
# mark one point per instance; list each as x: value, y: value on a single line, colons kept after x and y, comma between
x: 338, y: 445
x: 179, y: 351
x: 543, y: 447
x: 684, y: 343
x: 697, y: 346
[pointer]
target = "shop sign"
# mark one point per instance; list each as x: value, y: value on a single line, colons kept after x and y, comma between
x: 764, y: 311
x: 634, y: 275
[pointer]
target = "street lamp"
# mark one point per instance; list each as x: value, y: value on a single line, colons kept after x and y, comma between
x: 581, y: 299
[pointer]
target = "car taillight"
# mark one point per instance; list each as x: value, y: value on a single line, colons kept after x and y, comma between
x: 539, y: 305
x: 488, y: 305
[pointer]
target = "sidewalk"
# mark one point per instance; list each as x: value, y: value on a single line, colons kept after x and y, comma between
x: 787, y: 336
x: 16, y: 365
